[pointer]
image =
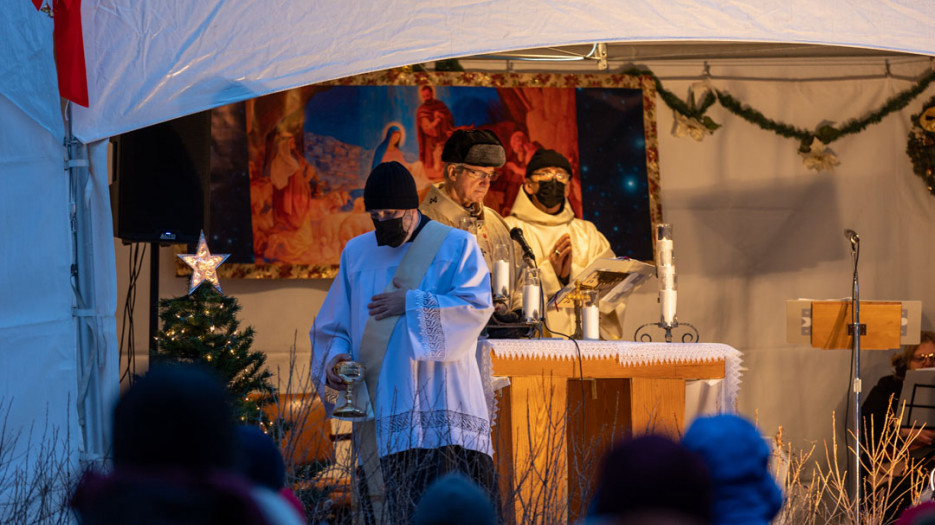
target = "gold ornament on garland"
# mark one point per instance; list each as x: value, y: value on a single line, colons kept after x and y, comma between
x: 204, y: 265
x: 927, y: 119
x: 921, y: 145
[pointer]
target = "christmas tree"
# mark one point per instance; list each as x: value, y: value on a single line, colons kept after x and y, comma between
x: 202, y: 327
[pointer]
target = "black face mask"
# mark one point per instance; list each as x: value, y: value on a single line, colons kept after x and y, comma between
x: 551, y: 193
x: 390, y: 232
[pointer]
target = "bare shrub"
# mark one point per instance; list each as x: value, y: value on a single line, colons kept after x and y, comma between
x: 37, y: 472
x: 890, y: 476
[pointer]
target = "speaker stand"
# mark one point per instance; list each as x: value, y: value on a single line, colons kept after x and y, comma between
x: 153, y: 301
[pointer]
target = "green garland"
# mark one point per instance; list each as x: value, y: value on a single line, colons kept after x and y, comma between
x: 921, y: 149
x: 826, y: 134
x: 689, y: 109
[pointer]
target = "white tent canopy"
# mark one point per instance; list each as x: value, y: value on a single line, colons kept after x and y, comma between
x: 149, y: 62
x: 154, y: 61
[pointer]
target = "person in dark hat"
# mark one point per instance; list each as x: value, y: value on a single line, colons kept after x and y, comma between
x: 408, y: 304
x: 652, y: 479
x: 563, y: 244
x: 471, y: 158
x: 174, y: 459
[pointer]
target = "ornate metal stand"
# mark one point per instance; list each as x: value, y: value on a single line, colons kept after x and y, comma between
x: 690, y: 334
x: 578, y: 297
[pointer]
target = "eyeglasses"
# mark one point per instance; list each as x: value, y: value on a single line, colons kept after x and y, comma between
x: 478, y: 174
x: 921, y: 358
x: 549, y: 174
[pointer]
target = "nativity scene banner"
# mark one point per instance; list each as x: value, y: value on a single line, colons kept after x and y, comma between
x: 288, y: 169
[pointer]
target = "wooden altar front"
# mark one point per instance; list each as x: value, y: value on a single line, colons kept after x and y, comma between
x: 565, y: 406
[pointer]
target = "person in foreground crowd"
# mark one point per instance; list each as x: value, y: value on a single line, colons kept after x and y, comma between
x: 921, y: 514
x: 261, y: 461
x: 470, y: 158
x: 563, y: 244
x: 174, y: 460
x: 737, y: 456
x: 883, y: 399
x: 454, y: 499
x: 651, y: 480
x: 408, y: 303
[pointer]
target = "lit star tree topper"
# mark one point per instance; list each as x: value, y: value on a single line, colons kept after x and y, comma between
x: 204, y: 265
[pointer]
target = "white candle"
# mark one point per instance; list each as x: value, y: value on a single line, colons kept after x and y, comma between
x: 667, y: 300
x: 590, y: 322
x: 531, y: 302
x: 666, y: 276
x: 501, y: 278
x: 664, y: 246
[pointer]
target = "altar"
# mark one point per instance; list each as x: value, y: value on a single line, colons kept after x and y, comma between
x: 568, y: 401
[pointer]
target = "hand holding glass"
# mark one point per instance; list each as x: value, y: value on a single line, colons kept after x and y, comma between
x: 351, y: 372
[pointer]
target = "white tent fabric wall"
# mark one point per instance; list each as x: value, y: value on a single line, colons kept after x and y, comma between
x: 27, y: 67
x: 44, y: 384
x: 38, y: 369
x: 42, y: 379
x: 154, y: 61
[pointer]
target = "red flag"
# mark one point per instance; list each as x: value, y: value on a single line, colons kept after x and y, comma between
x: 37, y: 3
x: 69, y: 51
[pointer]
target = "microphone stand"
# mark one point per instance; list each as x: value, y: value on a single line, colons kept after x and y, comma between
x: 855, y: 331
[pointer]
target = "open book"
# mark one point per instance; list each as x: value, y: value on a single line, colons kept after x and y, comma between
x: 918, y: 394
x: 614, y: 279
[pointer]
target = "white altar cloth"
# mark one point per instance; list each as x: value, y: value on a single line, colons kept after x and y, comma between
x: 630, y: 353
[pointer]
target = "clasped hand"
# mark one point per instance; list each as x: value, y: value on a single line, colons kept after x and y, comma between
x: 388, y: 304
x: 560, y: 257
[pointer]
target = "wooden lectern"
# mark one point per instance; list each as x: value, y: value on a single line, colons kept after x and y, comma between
x: 880, y: 325
x: 825, y: 324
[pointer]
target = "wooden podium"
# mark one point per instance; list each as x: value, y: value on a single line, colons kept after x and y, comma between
x: 559, y: 416
x: 824, y: 324
x: 831, y: 320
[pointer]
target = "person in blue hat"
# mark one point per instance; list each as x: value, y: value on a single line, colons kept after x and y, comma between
x: 738, y: 461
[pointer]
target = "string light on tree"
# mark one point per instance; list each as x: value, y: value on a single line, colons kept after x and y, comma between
x: 202, y: 327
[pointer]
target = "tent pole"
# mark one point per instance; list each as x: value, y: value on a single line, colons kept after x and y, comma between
x: 89, y: 357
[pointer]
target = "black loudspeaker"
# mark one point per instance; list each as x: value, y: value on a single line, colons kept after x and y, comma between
x: 161, y: 186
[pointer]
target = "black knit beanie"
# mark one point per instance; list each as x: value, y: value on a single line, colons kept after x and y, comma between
x: 547, y: 158
x: 390, y: 186
x: 478, y: 147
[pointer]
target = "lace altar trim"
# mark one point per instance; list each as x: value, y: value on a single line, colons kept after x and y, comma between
x: 629, y: 353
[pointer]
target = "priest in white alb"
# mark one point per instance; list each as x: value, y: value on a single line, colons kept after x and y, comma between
x: 408, y: 303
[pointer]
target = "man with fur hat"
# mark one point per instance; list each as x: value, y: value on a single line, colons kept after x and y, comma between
x: 470, y: 158
x: 408, y: 303
x: 563, y: 244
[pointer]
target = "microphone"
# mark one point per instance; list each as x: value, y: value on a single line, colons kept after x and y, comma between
x: 852, y: 236
x: 517, y: 235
